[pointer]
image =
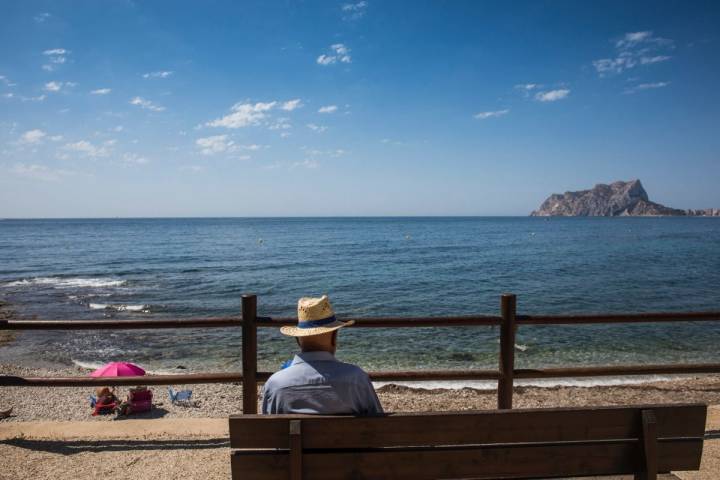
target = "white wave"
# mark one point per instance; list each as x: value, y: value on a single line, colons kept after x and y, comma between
x: 119, y: 307
x: 58, y: 282
x: 87, y: 365
x: 541, y: 383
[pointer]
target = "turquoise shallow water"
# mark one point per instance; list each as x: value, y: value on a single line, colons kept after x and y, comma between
x: 370, y: 266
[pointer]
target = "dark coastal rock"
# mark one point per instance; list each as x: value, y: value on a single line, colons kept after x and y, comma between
x: 614, y: 200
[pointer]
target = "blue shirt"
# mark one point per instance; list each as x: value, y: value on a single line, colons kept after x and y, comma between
x: 317, y: 383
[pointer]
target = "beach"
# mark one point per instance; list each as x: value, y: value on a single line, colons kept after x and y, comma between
x: 52, y: 432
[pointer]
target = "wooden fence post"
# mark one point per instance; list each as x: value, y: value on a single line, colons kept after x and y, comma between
x: 508, y: 307
x: 249, y: 353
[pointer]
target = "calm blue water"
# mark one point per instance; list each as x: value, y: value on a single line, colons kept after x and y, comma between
x: 75, y: 269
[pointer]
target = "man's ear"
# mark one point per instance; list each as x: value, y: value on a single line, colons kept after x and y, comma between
x: 333, y: 339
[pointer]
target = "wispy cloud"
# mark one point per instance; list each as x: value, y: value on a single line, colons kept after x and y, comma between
x: 307, y: 163
x: 316, y: 128
x: 244, y: 115
x: 260, y: 113
x: 32, y: 137
x: 146, y: 104
x: 633, y: 49
x: 134, y: 159
x: 87, y: 149
x: 159, y: 74
x: 552, y: 95
x: 354, y: 11
x: 645, y: 86
x: 40, y: 172
x: 53, y: 86
x: 328, y: 109
x: 339, y: 52
x: 291, y: 105
x: 101, y: 91
x: 42, y: 17
x: 215, y: 144
x: 192, y: 168
x: 491, y: 114
x: 56, y: 56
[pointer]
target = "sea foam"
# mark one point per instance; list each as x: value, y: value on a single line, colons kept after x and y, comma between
x: 119, y: 307
x: 60, y: 282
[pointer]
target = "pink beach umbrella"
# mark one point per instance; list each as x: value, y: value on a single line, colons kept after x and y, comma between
x: 118, y: 369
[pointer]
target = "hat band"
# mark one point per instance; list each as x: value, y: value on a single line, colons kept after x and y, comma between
x: 316, y: 323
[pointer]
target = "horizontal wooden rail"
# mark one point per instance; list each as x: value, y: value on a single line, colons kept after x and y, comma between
x: 407, y: 375
x: 374, y: 322
x: 397, y: 322
x: 618, y: 318
x: 668, y: 369
x: 191, y: 378
x: 119, y: 324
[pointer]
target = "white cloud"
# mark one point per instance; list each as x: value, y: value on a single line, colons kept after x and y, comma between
x: 87, y: 149
x: 316, y: 128
x: 146, y: 104
x: 53, y: 86
x: 39, y: 98
x: 527, y: 86
x: 56, y: 138
x: 192, y: 168
x: 633, y: 49
x: 101, y: 91
x: 244, y: 115
x: 55, y: 52
x: 118, y: 128
x: 160, y: 74
x: 285, y: 134
x: 291, y: 105
x: 39, y: 172
x: 32, y: 136
x: 134, y: 159
x: 308, y: 163
x: 253, y: 114
x: 354, y: 11
x: 552, y: 95
x: 56, y: 56
x: 339, y: 53
x: 41, y: 17
x: 215, y: 144
x: 646, y: 86
x: 490, y: 114
x: 328, y: 109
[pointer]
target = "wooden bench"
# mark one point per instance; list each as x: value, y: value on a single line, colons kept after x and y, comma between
x: 530, y: 443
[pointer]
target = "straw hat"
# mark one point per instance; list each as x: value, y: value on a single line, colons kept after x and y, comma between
x: 315, y: 317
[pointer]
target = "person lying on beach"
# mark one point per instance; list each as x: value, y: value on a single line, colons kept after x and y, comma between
x: 316, y: 382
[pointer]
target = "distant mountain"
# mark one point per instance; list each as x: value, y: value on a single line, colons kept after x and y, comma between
x: 614, y: 200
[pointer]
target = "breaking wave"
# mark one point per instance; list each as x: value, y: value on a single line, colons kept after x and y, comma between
x: 119, y: 307
x: 59, y: 282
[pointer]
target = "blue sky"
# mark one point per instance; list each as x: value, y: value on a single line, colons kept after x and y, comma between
x: 352, y: 108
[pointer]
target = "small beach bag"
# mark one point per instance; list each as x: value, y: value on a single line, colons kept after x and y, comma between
x: 139, y: 400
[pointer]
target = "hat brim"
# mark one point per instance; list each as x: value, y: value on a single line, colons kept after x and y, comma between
x: 307, y: 332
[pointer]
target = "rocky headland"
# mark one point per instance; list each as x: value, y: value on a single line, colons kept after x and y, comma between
x: 615, y: 200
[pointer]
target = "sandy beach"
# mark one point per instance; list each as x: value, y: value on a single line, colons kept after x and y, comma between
x: 51, y: 432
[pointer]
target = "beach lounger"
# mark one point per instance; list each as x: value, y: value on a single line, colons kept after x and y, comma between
x: 518, y: 444
x: 179, y: 397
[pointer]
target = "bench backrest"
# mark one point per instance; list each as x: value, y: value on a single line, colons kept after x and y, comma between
x: 509, y: 444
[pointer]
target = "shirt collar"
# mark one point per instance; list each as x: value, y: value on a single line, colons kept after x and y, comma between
x: 309, y: 357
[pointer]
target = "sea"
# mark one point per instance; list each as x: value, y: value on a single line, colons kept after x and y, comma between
x: 123, y: 269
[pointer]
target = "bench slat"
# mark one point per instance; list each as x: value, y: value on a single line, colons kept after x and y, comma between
x: 508, y: 461
x: 457, y: 428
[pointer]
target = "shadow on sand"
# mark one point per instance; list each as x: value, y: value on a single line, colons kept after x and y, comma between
x: 64, y: 447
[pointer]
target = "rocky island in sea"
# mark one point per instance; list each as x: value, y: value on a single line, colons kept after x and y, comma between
x: 614, y: 200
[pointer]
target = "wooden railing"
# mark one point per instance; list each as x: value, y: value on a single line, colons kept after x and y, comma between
x: 508, y: 320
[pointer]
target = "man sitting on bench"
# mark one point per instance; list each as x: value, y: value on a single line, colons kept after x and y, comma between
x: 316, y: 382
